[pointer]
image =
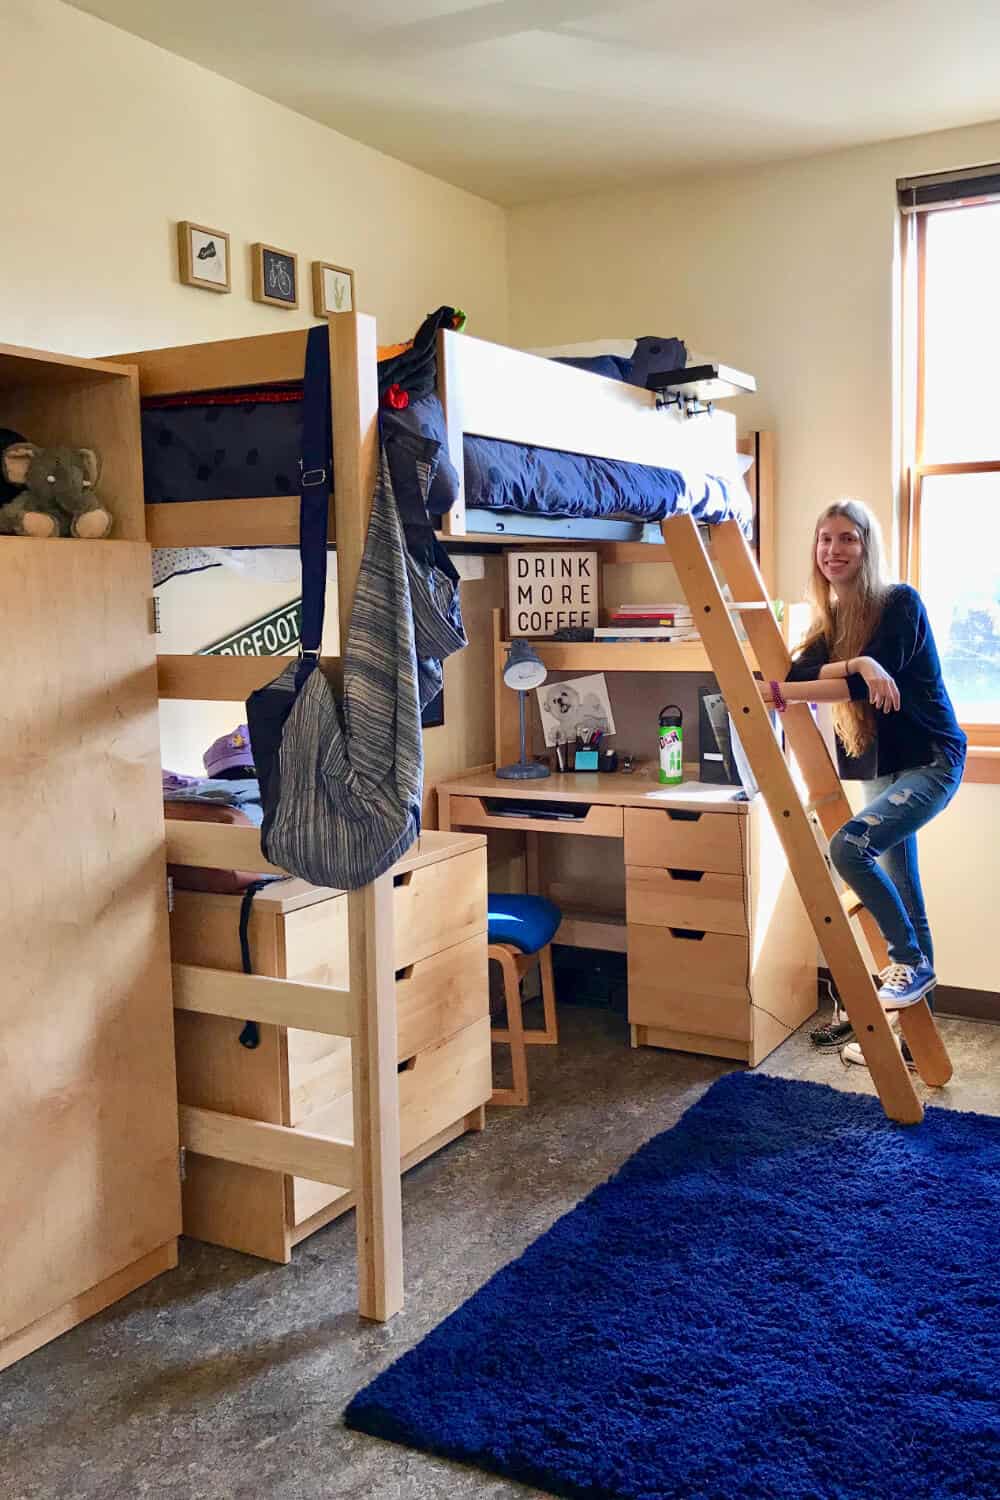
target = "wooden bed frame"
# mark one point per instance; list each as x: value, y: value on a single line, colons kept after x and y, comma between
x: 492, y: 391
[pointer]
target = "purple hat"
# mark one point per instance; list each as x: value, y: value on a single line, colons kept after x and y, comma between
x: 229, y: 751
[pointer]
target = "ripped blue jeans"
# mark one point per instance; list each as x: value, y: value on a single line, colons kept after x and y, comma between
x: 876, y: 853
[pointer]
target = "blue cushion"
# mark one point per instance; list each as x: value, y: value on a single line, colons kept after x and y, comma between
x: 527, y: 922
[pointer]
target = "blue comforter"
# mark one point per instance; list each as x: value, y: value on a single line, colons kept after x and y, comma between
x: 542, y: 481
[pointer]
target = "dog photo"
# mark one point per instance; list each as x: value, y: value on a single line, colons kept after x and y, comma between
x: 577, y: 707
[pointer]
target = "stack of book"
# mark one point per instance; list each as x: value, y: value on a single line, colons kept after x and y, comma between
x: 648, y: 622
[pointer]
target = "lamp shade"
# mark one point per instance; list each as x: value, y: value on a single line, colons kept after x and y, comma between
x: 524, y: 668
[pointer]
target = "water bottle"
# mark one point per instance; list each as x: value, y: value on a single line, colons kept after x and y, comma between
x: 671, y: 745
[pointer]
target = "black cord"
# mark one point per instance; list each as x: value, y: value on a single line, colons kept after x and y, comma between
x: 250, y: 1035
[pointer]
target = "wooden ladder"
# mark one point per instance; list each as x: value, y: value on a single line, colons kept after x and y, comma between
x: 830, y: 914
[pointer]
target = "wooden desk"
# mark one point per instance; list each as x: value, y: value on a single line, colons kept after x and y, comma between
x: 721, y: 955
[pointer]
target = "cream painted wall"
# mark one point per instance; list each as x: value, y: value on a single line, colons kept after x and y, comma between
x: 116, y: 140
x: 786, y: 271
x: 125, y: 139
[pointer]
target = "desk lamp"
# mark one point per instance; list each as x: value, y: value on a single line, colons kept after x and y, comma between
x: 523, y: 670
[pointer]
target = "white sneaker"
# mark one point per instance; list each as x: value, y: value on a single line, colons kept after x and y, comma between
x: 852, y: 1053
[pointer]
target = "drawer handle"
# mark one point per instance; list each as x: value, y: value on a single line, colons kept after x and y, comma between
x: 407, y: 1066
x: 403, y: 879
x: 682, y: 815
x: 686, y: 874
x: 688, y: 934
x: 404, y: 974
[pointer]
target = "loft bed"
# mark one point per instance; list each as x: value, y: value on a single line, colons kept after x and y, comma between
x: 535, y: 449
x: 485, y: 391
x: 493, y: 398
x: 583, y: 432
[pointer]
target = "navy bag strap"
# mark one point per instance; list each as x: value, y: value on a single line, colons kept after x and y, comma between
x: 314, y: 493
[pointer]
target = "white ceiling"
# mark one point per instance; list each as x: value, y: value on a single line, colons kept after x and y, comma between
x: 520, y: 100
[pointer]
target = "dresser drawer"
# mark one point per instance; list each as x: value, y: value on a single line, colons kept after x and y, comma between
x: 437, y: 1088
x: 441, y: 995
x: 681, y: 840
x: 439, y: 905
x: 435, y: 906
x: 435, y: 998
x: 671, y: 898
x: 689, y: 982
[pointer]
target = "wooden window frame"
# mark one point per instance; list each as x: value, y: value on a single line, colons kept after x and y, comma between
x: 979, y: 734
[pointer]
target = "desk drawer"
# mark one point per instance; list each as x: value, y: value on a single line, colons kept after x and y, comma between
x: 598, y: 821
x: 672, y: 898
x: 681, y: 840
x: 689, y: 982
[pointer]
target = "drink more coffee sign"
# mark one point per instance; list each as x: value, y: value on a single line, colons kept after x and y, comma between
x: 549, y: 591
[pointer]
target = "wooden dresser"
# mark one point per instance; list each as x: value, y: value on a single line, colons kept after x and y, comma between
x: 301, y: 1078
x: 721, y: 954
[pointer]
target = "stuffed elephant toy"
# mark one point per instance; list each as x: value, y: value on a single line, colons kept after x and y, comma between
x: 49, y: 491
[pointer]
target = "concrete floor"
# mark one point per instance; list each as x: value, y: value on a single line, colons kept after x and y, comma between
x: 226, y: 1379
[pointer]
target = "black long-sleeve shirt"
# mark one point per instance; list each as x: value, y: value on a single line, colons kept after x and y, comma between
x: 903, y: 644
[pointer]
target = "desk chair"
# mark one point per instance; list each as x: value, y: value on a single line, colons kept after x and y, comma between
x: 520, y: 930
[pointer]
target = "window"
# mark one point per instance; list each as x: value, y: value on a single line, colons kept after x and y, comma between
x: 952, y: 521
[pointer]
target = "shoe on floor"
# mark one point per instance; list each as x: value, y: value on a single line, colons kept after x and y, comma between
x: 903, y: 985
x: 852, y: 1053
x: 832, y: 1036
x: 836, y: 1032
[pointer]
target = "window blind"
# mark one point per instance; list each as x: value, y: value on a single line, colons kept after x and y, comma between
x: 949, y: 189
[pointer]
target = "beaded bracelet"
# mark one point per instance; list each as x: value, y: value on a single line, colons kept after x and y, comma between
x: 777, y: 697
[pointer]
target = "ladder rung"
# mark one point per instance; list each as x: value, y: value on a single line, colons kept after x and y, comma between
x: 851, y: 903
x: 818, y: 802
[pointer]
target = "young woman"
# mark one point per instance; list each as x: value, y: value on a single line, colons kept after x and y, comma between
x: 870, y: 652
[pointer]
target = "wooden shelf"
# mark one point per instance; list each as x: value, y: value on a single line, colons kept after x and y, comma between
x: 37, y: 367
x: 624, y: 656
x: 87, y: 403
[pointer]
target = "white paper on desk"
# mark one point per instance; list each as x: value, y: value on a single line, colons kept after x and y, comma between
x: 695, y: 791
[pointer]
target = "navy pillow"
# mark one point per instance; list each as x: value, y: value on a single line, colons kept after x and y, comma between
x: 425, y: 416
x: 657, y: 354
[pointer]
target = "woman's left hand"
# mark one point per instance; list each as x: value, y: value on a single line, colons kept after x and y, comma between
x: 883, y: 692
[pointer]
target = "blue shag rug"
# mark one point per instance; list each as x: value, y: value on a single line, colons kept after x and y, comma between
x: 784, y: 1296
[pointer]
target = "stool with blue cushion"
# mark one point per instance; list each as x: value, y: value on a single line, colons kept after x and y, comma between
x: 521, y: 929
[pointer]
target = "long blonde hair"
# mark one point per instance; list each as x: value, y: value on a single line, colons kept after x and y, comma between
x: 847, y: 627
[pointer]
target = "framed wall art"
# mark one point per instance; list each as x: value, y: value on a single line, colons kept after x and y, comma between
x: 203, y: 256
x: 275, y: 276
x: 333, y: 289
